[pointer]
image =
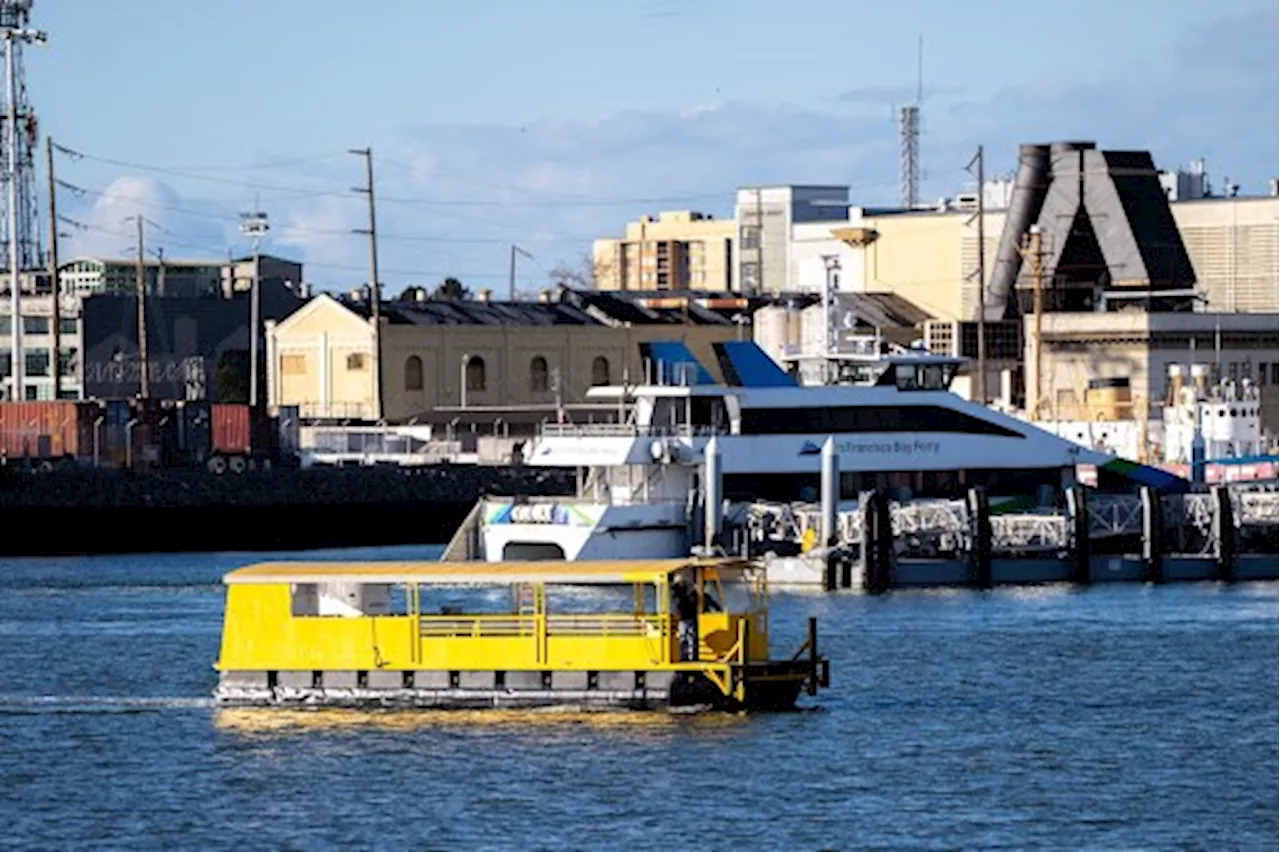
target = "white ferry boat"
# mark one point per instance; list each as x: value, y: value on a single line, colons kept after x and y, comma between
x: 900, y: 429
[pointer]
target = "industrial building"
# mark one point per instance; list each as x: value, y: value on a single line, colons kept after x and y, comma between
x: 930, y: 256
x: 236, y: 276
x: 512, y: 364
x: 196, y: 309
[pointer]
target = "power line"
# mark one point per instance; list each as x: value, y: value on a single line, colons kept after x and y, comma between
x: 81, y: 191
x: 443, y: 202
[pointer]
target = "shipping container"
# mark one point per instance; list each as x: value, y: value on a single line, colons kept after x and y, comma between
x: 47, y: 430
x: 232, y: 429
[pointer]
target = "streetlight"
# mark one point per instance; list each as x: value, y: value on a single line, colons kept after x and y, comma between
x: 254, y: 225
x: 13, y: 32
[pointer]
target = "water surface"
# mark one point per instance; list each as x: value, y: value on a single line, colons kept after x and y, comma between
x: 1116, y: 717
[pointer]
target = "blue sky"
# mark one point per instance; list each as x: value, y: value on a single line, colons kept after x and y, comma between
x: 548, y: 123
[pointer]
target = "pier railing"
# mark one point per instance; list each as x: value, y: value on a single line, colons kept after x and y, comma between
x: 930, y: 528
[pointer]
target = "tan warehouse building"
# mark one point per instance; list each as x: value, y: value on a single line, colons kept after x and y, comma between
x: 474, y: 360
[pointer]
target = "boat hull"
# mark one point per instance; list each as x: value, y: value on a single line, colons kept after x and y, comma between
x: 767, y: 687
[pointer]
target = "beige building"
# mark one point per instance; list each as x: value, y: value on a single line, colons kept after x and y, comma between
x: 930, y: 257
x: 680, y: 250
x: 1140, y: 347
x: 517, y: 366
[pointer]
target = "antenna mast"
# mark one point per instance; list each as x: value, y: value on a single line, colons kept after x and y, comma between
x: 909, y: 138
x: 17, y: 150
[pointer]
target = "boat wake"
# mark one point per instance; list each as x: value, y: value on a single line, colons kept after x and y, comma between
x: 34, y: 704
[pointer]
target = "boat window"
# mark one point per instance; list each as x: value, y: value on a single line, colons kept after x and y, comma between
x: 600, y: 600
x: 347, y: 599
x: 668, y: 413
x: 709, y: 413
x: 858, y: 374
x: 912, y: 377
x: 472, y: 600
x: 531, y: 551
x: 867, y: 418
x: 735, y: 594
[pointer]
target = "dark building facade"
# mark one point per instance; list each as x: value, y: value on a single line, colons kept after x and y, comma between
x: 196, y: 347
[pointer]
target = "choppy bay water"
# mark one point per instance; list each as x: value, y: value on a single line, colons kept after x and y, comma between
x: 1109, y: 718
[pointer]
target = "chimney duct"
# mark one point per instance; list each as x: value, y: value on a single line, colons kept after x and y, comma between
x: 1030, y: 188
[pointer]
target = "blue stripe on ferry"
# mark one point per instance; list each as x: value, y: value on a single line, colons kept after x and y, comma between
x: 746, y: 365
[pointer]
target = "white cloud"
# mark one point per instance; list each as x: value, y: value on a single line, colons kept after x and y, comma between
x: 551, y: 186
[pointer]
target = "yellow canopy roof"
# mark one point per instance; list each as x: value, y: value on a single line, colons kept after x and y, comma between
x: 610, y: 572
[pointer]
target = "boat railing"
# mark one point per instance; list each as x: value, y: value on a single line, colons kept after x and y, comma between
x: 625, y: 430
x: 477, y: 626
x: 488, y: 626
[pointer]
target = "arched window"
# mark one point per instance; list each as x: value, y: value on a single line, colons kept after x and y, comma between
x: 538, y: 374
x: 475, y: 373
x: 600, y: 371
x: 413, y: 373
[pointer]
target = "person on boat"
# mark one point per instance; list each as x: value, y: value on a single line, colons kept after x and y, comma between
x: 686, y: 606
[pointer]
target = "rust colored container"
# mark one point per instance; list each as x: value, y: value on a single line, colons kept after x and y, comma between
x: 232, y: 429
x: 47, y: 430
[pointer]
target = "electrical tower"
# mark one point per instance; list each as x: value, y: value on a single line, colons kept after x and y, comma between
x: 19, y: 140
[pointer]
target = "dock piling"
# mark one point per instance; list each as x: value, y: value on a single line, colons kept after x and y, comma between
x: 979, y: 538
x: 1226, y: 542
x: 1152, y: 536
x: 1078, y: 512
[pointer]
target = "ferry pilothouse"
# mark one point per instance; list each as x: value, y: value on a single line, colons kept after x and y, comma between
x: 896, y: 426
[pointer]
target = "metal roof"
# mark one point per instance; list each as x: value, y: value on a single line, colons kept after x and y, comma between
x: 573, y: 307
x: 606, y: 572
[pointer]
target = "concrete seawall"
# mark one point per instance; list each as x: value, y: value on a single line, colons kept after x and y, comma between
x: 88, y: 511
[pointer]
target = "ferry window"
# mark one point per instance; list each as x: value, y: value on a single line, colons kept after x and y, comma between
x: 538, y: 374
x: 905, y: 376
x: 600, y: 371
x: 475, y: 373
x: 709, y: 413
x: 667, y: 413
x: 413, y: 373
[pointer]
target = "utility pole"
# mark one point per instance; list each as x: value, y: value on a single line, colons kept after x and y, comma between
x: 254, y: 225
x: 144, y: 378
x: 1033, y: 250
x: 54, y: 279
x: 375, y: 291
x: 511, y: 275
x: 978, y: 160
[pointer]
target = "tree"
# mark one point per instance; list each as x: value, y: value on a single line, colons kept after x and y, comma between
x: 451, y: 290
x: 584, y: 274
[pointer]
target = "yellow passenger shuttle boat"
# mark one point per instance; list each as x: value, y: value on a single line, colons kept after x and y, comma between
x: 635, y: 634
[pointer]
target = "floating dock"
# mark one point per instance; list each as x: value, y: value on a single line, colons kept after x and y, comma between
x: 1226, y: 535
